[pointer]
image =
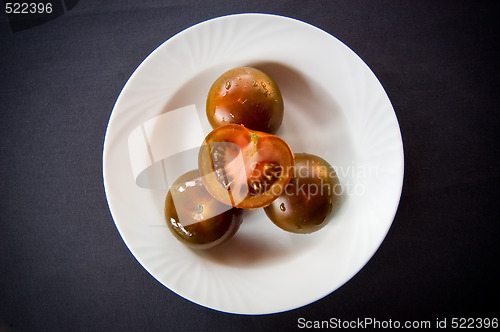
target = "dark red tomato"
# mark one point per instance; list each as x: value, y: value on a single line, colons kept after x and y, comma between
x: 245, y: 96
x: 195, y: 217
x: 309, y: 199
x: 244, y: 168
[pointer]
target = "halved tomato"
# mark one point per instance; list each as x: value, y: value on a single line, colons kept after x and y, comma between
x: 244, y: 168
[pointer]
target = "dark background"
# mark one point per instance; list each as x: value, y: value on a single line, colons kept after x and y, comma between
x: 63, y: 264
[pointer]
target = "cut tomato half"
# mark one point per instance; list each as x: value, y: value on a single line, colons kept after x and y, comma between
x: 244, y: 168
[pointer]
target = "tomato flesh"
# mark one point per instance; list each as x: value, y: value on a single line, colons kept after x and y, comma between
x: 244, y: 168
x: 195, y: 217
x: 246, y: 96
x: 307, y: 202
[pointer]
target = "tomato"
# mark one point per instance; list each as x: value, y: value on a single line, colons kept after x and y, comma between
x: 309, y: 199
x: 244, y: 168
x: 195, y: 217
x: 245, y: 96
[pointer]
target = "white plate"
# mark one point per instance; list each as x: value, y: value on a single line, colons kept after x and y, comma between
x: 334, y: 107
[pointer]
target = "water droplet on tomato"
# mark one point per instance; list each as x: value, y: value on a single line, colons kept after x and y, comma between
x: 199, y: 208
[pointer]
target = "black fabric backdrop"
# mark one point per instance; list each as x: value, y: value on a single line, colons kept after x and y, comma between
x: 63, y: 264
